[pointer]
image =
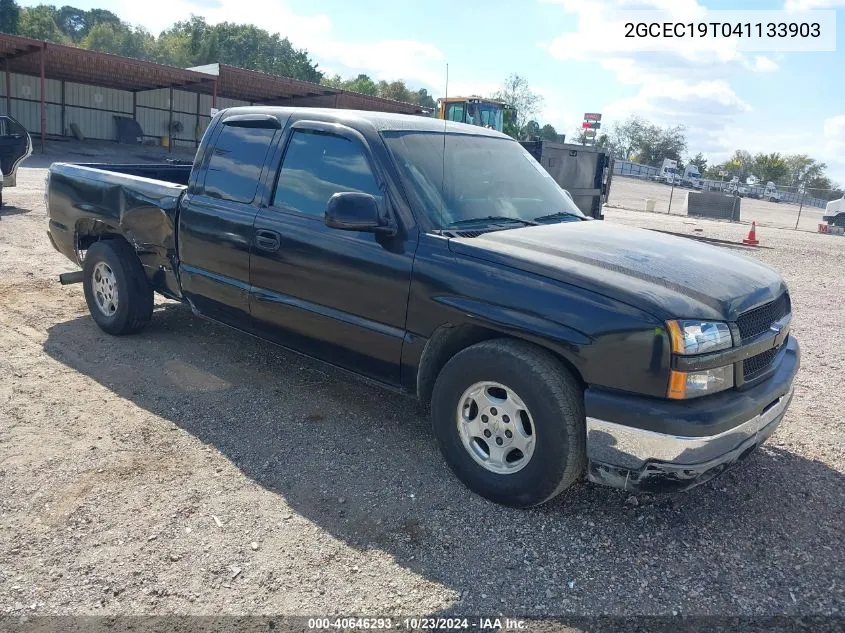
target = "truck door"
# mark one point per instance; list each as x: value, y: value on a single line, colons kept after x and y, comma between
x: 15, y: 146
x: 216, y: 218
x: 333, y: 294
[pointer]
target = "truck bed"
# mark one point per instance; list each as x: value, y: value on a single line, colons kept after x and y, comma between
x: 124, y: 200
x: 174, y: 173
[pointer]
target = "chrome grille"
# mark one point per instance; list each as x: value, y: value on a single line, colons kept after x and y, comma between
x: 756, y: 321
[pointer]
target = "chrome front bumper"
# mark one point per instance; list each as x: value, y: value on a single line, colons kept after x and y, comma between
x: 637, y: 459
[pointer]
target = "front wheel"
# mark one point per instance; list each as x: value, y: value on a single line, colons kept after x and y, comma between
x: 509, y: 420
x: 117, y: 292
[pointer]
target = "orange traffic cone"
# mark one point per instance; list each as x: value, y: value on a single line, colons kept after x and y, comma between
x: 752, y: 236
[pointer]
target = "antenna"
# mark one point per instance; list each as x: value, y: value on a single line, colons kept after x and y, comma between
x: 443, y: 172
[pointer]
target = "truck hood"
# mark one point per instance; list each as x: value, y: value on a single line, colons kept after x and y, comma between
x: 667, y: 276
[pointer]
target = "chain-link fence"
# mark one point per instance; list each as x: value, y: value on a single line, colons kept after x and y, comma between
x: 639, y: 188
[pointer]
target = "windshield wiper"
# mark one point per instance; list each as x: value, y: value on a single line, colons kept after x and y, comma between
x: 557, y: 216
x: 494, y: 219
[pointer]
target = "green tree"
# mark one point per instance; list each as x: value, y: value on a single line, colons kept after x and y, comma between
x: 396, y: 90
x: 699, y: 161
x: 76, y: 23
x: 363, y: 85
x: 640, y: 140
x: 105, y: 38
x: 802, y: 169
x: 333, y: 81
x: 769, y: 167
x: 9, y: 16
x: 821, y: 186
x: 548, y: 133
x: 195, y: 42
x: 516, y: 92
x: 424, y: 99
x: 530, y: 131
x: 38, y: 23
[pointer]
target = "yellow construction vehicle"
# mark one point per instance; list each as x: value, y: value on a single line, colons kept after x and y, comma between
x: 475, y: 110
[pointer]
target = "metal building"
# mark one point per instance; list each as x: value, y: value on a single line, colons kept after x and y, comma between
x: 52, y: 89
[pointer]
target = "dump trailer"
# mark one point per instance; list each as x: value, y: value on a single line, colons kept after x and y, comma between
x: 585, y: 172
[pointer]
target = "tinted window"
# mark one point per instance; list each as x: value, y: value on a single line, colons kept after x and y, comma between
x: 317, y: 166
x: 479, y: 176
x: 236, y: 163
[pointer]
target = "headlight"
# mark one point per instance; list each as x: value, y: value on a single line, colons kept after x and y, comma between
x: 699, y: 337
x: 684, y: 385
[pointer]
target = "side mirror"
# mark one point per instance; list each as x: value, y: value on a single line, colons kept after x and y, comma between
x: 353, y: 211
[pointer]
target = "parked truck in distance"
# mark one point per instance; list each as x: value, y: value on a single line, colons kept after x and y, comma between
x: 737, y: 188
x: 668, y: 173
x: 834, y: 212
x: 771, y: 193
x: 441, y: 260
x: 691, y: 177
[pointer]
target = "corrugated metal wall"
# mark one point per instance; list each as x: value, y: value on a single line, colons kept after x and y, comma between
x: 93, y: 109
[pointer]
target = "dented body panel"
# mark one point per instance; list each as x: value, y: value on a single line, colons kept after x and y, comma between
x: 87, y: 202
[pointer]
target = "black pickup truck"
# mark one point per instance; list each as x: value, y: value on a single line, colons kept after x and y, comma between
x: 444, y: 262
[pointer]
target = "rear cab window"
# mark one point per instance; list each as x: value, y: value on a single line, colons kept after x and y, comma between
x: 318, y: 165
x: 236, y: 163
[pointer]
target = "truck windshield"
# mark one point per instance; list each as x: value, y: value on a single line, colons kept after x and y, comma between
x: 483, y: 179
x: 490, y: 115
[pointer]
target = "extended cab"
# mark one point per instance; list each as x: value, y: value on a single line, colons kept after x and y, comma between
x: 446, y: 263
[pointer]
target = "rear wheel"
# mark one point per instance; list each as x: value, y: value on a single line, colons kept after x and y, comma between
x: 509, y: 419
x: 117, y: 292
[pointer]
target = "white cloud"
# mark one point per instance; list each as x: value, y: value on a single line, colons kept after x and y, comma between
x: 687, y: 84
x: 764, y: 64
x: 806, y: 5
x: 417, y: 62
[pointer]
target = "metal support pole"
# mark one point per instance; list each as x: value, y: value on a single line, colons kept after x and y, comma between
x: 214, y: 95
x: 671, y: 193
x: 170, y: 124
x: 43, y: 104
x: 63, y: 108
x: 8, y: 90
x: 803, y: 193
x: 197, y: 128
x: 135, y: 104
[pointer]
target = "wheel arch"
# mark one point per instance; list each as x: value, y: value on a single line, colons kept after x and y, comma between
x: 448, y: 340
x: 89, y: 230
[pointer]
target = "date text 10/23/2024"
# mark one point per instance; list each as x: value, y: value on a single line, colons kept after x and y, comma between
x: 418, y: 624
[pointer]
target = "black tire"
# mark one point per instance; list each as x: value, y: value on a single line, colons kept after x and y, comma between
x: 134, y: 295
x: 556, y: 404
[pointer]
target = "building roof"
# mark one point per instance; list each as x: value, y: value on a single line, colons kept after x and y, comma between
x: 70, y: 63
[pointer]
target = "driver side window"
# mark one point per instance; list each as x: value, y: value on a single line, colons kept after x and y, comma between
x: 318, y: 165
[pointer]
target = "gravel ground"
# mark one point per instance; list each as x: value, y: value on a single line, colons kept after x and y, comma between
x: 194, y: 470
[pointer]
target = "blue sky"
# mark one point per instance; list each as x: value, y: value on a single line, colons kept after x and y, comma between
x: 785, y: 102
